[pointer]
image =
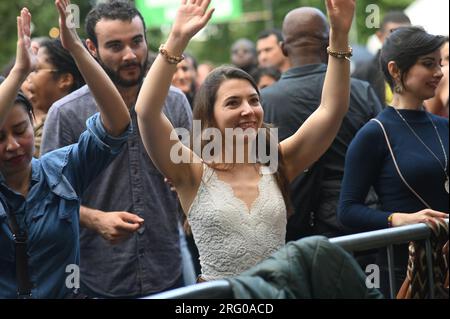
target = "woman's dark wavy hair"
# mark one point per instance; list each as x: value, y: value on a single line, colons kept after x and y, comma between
x: 63, y: 62
x: 23, y: 101
x: 204, y: 111
x: 405, y: 46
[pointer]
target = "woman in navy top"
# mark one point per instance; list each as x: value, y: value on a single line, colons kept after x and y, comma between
x: 411, y: 63
x: 418, y: 190
x: 43, y: 196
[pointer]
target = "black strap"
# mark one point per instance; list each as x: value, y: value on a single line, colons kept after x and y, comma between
x: 23, y: 277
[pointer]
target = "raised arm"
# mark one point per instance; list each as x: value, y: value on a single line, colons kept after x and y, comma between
x: 25, y: 61
x: 315, y: 136
x: 155, y: 128
x: 114, y: 112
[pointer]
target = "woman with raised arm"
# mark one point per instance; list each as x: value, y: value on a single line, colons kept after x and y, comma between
x: 236, y: 208
x: 40, y: 199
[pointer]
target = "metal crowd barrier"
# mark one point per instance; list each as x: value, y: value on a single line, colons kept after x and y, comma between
x: 388, y: 238
x: 221, y: 289
x: 218, y: 289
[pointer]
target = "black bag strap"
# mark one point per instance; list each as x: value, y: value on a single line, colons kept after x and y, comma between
x: 22, y: 273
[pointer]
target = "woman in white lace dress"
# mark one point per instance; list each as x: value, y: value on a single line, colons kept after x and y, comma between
x: 235, y: 203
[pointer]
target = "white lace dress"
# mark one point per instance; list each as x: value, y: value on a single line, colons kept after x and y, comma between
x: 229, y: 237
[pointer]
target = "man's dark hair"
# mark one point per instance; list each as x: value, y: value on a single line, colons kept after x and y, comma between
x: 394, y: 17
x: 267, y: 33
x: 405, y: 46
x: 111, y: 10
x: 63, y: 61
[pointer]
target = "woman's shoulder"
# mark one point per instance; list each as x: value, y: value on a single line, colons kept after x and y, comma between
x: 371, y: 130
x: 55, y: 159
x: 368, y: 140
x: 52, y: 165
x: 374, y: 128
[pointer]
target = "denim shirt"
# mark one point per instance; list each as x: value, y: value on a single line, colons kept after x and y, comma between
x: 50, y: 212
x: 149, y: 260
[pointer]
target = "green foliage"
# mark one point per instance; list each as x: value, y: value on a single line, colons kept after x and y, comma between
x: 217, y: 48
x: 258, y: 17
x: 44, y: 17
x: 385, y: 5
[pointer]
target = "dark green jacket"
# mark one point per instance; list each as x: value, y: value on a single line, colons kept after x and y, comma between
x: 310, y: 268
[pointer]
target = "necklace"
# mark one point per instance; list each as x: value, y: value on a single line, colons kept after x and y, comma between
x: 446, y: 184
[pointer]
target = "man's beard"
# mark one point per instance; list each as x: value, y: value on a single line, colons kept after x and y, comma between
x: 120, y: 81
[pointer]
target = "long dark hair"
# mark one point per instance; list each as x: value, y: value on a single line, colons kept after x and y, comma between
x: 404, y: 47
x: 204, y: 111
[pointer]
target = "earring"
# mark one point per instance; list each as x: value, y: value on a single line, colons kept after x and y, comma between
x: 398, y: 88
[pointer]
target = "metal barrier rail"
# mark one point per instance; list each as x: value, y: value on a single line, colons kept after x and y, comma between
x: 221, y: 289
x: 388, y: 238
x: 218, y: 289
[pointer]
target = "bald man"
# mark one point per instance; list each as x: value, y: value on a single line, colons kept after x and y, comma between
x: 289, y: 102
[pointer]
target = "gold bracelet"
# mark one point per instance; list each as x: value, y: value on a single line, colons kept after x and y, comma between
x: 341, y: 54
x: 171, y: 59
x: 390, y: 220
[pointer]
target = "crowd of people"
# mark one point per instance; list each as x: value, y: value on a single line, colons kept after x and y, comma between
x: 94, y: 172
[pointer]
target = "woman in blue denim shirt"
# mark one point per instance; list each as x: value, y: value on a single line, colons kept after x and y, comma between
x: 43, y: 196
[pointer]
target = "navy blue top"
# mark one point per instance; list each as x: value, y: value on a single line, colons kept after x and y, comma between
x: 50, y: 213
x: 369, y: 163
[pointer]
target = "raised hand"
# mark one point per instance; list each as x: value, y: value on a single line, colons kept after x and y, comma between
x: 192, y: 16
x: 69, y: 36
x: 340, y: 14
x: 25, y: 58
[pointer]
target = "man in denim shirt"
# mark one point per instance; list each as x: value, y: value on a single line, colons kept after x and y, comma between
x: 118, y: 257
x: 51, y: 210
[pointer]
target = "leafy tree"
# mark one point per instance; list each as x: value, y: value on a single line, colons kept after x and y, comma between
x: 217, y: 48
x: 258, y: 16
x: 44, y: 17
